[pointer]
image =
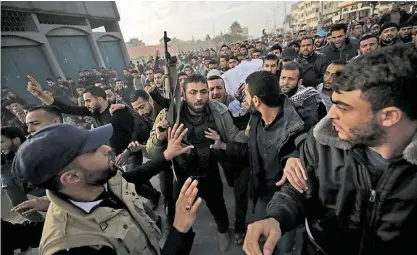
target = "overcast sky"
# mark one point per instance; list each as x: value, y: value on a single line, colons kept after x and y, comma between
x: 147, y: 20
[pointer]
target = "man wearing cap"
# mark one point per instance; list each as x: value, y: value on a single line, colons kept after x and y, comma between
x: 320, y: 40
x: 94, y: 210
x: 388, y: 34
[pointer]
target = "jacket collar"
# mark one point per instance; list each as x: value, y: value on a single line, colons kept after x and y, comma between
x: 325, y: 134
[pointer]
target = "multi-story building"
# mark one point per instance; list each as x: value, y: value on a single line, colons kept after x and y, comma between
x: 50, y: 39
x: 305, y: 14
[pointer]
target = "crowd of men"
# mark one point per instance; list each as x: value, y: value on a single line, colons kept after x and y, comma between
x: 323, y: 138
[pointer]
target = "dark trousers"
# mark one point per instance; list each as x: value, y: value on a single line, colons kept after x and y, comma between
x: 166, y: 182
x: 146, y: 190
x: 210, y: 189
x: 20, y: 236
x: 240, y: 192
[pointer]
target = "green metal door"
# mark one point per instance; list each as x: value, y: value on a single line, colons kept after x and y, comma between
x: 112, y: 55
x: 73, y: 53
x: 17, y: 63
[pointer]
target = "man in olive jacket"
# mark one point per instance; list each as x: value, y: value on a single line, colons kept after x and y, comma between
x: 199, y: 116
x: 360, y: 166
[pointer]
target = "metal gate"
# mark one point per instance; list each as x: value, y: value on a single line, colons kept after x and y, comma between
x: 112, y: 55
x: 17, y: 63
x: 73, y: 53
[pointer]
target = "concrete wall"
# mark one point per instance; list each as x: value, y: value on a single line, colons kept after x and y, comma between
x: 99, y: 9
x: 95, y: 10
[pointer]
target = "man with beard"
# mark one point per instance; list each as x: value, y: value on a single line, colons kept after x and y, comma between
x: 270, y: 64
x: 357, y: 31
x: 320, y: 40
x: 360, y: 165
x: 368, y: 43
x: 11, y: 140
x: 112, y: 97
x: 318, y: 61
x: 41, y: 116
x: 405, y: 32
x: 128, y: 79
x: 142, y: 103
x: 291, y: 84
x: 326, y: 88
x: 217, y: 90
x: 276, y: 130
x: 224, y: 60
x: 87, y: 190
x: 276, y: 49
x: 158, y: 93
x: 375, y: 29
x: 200, y: 115
x: 340, y: 47
x: 388, y: 34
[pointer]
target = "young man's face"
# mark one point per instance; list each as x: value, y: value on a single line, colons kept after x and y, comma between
x: 270, y: 66
x: 143, y: 107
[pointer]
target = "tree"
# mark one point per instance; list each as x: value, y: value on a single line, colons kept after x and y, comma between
x: 208, y: 38
x: 235, y: 28
x: 134, y: 42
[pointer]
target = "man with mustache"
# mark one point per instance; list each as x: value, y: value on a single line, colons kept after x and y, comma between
x: 388, y: 34
x: 200, y: 116
x: 360, y: 166
x: 217, y: 90
x: 94, y: 210
x: 326, y: 88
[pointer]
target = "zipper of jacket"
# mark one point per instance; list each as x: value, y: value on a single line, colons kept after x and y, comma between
x: 373, y: 206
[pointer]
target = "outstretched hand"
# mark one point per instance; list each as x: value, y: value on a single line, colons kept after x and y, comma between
x: 186, y: 206
x: 34, y: 87
x: 175, y: 146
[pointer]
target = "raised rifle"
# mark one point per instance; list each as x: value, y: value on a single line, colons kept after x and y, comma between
x: 172, y: 83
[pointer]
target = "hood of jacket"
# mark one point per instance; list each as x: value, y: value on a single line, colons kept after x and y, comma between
x: 325, y: 134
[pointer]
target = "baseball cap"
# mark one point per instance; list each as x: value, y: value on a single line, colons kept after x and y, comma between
x: 46, y: 152
x: 321, y: 33
x: 288, y: 54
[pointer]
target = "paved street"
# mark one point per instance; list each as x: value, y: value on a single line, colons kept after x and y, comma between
x: 206, y: 240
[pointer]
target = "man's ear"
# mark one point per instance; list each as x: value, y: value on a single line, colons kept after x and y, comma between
x: 300, y: 82
x: 70, y: 178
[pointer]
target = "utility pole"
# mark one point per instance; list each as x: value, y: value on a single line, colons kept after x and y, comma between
x: 275, y: 20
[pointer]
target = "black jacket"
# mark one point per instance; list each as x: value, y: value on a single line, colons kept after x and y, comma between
x: 319, y: 63
x: 296, y: 128
x: 396, y: 41
x: 122, y: 122
x: 344, y: 212
x: 349, y: 51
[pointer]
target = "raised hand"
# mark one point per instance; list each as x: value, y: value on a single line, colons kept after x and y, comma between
x: 186, y: 206
x: 175, y: 147
x: 34, y: 87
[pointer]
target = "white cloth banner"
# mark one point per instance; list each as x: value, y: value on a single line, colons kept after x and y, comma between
x: 236, y: 76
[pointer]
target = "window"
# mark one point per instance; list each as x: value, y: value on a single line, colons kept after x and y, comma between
x: 61, y: 20
x: 13, y: 21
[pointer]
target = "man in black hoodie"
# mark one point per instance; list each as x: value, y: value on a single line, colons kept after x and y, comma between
x: 340, y: 47
x: 319, y: 61
x: 388, y: 34
x: 405, y: 33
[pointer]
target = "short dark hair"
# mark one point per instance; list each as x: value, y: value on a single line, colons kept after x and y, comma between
x: 215, y: 77
x: 292, y: 65
x: 368, y: 36
x: 307, y: 38
x: 212, y: 62
x: 157, y: 70
x: 256, y: 50
x: 96, y: 91
x: 394, y: 84
x: 225, y: 57
x: 195, y: 77
x: 51, y: 109
x: 12, y: 133
x: 276, y: 47
x: 271, y: 57
x: 339, y: 62
x: 337, y: 27
x: 119, y: 80
x: 235, y: 58
x: 302, y: 30
x: 108, y: 88
x: 140, y: 93
x: 251, y: 47
x: 181, y: 74
x: 97, y: 81
x: 149, y: 69
x: 80, y: 86
x: 264, y: 85
x: 134, y: 71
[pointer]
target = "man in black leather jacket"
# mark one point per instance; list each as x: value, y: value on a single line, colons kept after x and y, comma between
x: 360, y: 165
